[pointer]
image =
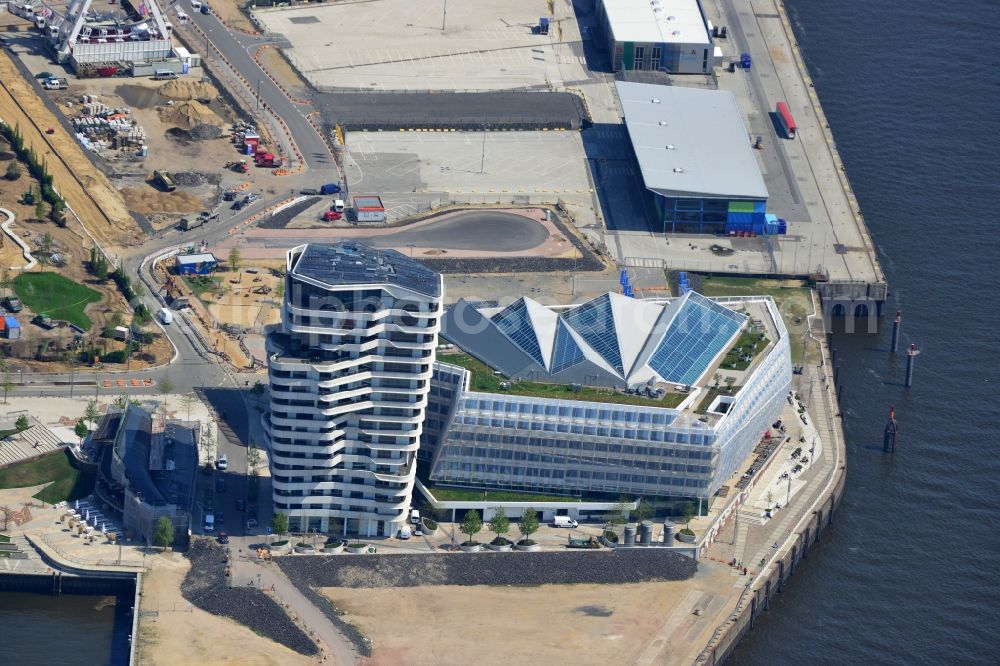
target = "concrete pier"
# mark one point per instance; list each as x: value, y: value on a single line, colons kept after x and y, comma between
x: 827, y: 238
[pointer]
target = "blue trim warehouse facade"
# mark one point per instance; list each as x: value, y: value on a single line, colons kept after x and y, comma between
x: 708, y: 216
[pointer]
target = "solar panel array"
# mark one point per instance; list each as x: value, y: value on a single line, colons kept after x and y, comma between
x: 565, y: 353
x: 515, y: 323
x: 595, y: 322
x: 696, y: 335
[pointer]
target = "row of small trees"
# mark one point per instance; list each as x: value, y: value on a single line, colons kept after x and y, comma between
x: 472, y: 525
x: 36, y: 167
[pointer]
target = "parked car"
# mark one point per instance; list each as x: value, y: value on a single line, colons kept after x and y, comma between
x: 238, y: 205
x: 222, y: 463
x: 309, y: 191
x: 13, y: 304
x: 251, y: 523
x: 223, y: 538
x: 220, y: 485
x: 329, y: 188
x: 404, y: 532
x: 564, y: 521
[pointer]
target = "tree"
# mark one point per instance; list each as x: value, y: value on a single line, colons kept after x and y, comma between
x: 644, y: 511
x: 22, y: 423
x: 13, y: 170
x: 45, y: 243
x: 688, y: 515
x: 500, y: 524
x: 6, y: 380
x: 207, y: 441
x: 528, y: 525
x: 40, y: 210
x: 279, y: 523
x: 234, y: 259
x: 5, y: 281
x: 619, y: 512
x: 253, y: 457
x: 729, y: 384
x: 163, y: 535
x: 81, y: 430
x: 101, y: 268
x: 91, y: 414
x: 258, y: 390
x: 472, y: 524
x: 187, y: 401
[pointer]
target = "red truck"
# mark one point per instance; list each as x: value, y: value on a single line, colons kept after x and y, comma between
x: 266, y: 160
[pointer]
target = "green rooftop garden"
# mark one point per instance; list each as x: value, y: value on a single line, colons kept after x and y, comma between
x: 792, y: 297
x: 484, y: 380
x: 746, y: 349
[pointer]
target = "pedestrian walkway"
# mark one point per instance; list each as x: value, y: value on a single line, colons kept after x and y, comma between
x: 269, y: 579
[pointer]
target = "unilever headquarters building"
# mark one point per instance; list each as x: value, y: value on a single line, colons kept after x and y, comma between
x: 661, y: 399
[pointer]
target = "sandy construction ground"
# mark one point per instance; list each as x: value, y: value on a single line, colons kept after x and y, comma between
x: 564, y: 624
x: 181, y: 634
x: 85, y: 188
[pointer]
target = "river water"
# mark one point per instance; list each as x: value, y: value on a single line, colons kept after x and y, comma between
x: 907, y: 575
x: 67, y: 630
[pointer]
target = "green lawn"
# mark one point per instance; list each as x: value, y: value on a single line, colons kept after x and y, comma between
x: 792, y: 297
x: 200, y: 284
x: 749, y: 343
x: 68, y: 483
x: 473, y: 495
x: 484, y: 380
x: 56, y: 296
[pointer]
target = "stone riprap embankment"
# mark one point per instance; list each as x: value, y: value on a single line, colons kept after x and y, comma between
x: 206, y: 586
x: 369, y: 571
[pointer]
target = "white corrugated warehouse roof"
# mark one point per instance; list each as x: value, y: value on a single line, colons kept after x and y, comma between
x: 195, y: 258
x: 690, y: 142
x: 656, y: 21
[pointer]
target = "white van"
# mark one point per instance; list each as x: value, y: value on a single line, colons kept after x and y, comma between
x: 209, y: 523
x: 195, y: 5
x: 415, y: 517
x: 182, y: 17
x: 164, y: 75
x: 338, y: 205
x: 166, y: 316
x: 222, y: 464
x: 564, y: 521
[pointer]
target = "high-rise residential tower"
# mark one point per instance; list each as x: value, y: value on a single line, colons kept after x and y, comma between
x: 349, y: 369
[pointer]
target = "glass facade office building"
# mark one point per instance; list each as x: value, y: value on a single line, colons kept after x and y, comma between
x: 497, y: 440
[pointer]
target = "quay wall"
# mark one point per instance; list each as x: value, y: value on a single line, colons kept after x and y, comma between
x: 756, y: 598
